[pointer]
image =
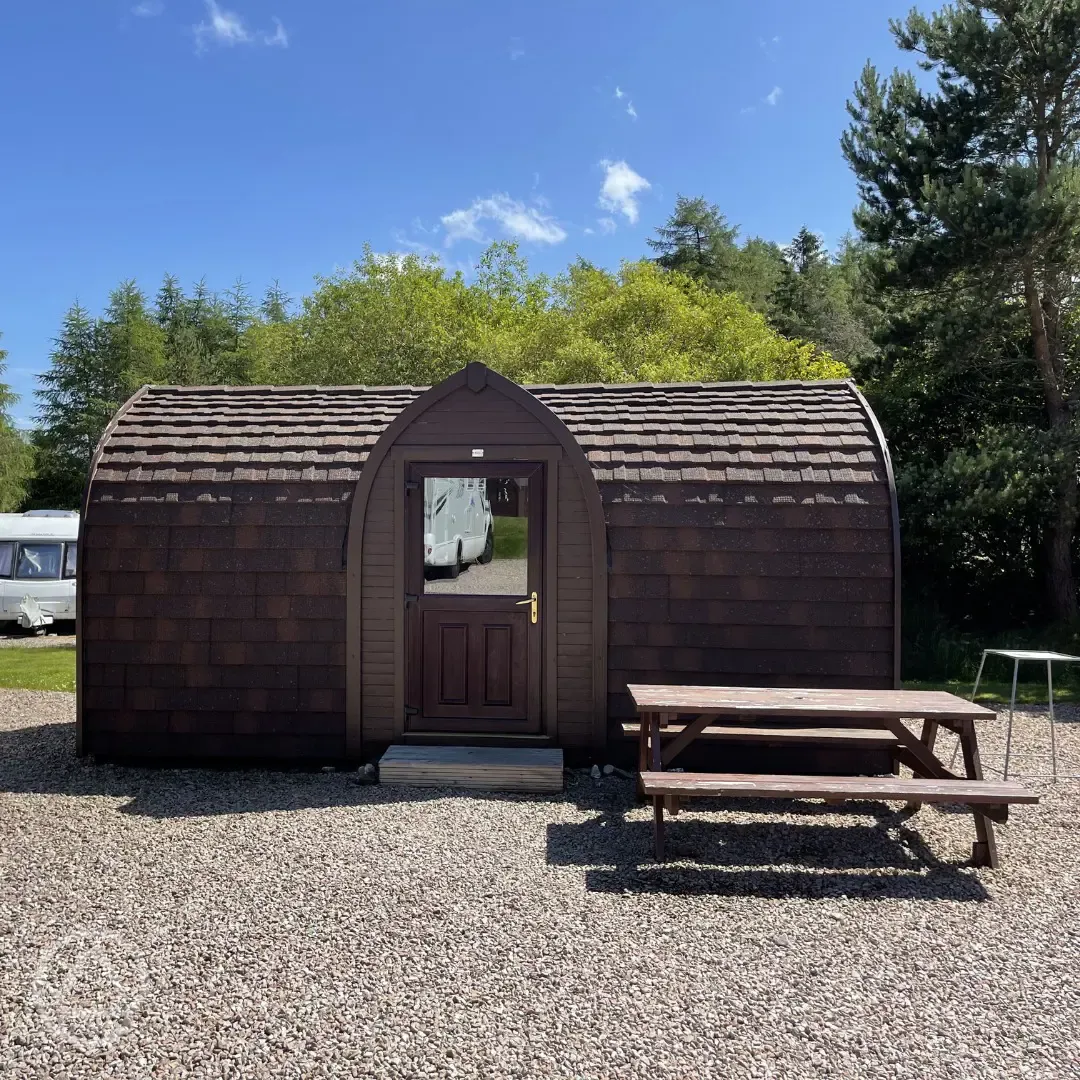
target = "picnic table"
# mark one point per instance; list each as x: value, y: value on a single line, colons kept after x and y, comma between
x: 819, y: 717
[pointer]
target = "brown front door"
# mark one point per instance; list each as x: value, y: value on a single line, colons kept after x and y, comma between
x: 474, y: 534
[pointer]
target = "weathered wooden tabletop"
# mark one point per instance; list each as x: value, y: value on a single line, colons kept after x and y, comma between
x: 805, y: 703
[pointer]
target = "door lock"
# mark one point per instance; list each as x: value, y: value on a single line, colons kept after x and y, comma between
x: 532, y: 606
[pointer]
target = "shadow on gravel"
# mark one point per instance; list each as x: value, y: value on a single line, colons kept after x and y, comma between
x: 862, y: 860
x: 615, y: 852
x: 41, y: 760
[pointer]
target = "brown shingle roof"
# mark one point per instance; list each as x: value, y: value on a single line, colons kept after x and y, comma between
x: 734, y: 432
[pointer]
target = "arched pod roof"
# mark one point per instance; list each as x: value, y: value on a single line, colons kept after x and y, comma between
x: 804, y: 433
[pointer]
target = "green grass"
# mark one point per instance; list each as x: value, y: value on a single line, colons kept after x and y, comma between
x: 511, y: 536
x: 37, y: 669
x: 994, y: 691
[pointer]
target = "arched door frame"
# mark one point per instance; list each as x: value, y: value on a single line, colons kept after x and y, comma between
x: 476, y: 377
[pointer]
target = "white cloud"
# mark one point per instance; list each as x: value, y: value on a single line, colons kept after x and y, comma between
x: 514, y: 219
x: 228, y: 28
x: 619, y: 94
x: 773, y: 96
x: 278, y: 37
x: 620, y: 189
x: 517, y: 48
x: 148, y: 9
x: 631, y: 111
x: 607, y: 224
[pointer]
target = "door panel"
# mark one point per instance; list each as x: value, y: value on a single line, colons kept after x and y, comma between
x: 474, y: 654
x: 475, y: 664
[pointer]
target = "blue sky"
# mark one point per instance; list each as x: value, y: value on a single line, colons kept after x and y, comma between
x: 271, y: 138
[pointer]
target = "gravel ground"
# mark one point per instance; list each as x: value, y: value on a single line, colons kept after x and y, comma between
x: 23, y: 639
x: 500, y: 577
x: 246, y: 924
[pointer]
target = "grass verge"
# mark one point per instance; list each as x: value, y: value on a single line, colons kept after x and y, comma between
x: 510, y: 537
x: 37, y: 669
x: 54, y: 669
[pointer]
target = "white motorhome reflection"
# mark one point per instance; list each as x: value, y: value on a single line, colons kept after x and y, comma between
x: 38, y: 555
x: 458, y: 526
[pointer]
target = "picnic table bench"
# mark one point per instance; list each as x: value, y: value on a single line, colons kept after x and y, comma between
x: 872, y: 718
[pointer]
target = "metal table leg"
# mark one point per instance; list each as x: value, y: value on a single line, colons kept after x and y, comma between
x: 1053, y: 739
x: 974, y: 691
x: 1012, y: 707
x: 978, y: 677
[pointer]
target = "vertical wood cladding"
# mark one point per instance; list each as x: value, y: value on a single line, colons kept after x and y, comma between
x: 378, y: 654
x: 457, y: 422
x: 574, y: 650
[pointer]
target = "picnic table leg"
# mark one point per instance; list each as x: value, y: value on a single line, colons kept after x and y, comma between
x: 928, y: 738
x: 984, y: 850
x: 643, y: 750
x: 658, y: 800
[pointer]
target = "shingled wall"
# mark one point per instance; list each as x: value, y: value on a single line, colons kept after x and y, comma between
x: 750, y: 533
x: 212, y: 586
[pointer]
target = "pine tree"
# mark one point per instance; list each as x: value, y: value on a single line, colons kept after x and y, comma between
x: 813, y: 302
x: 183, y: 348
x: 697, y: 241
x: 15, y: 454
x: 82, y: 388
x: 133, y: 343
x: 973, y: 186
x: 275, y: 304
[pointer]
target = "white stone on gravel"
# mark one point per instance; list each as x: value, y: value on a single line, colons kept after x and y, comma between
x: 188, y: 923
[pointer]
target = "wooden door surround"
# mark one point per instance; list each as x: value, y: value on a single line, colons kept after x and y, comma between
x: 474, y: 661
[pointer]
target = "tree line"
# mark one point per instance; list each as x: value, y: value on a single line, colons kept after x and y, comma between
x: 954, y: 306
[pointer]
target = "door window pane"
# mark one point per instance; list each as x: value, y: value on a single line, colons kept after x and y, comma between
x: 71, y: 553
x: 476, y: 535
x: 38, y: 562
x: 7, y: 557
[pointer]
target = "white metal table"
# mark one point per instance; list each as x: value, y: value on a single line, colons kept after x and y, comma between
x: 1016, y: 655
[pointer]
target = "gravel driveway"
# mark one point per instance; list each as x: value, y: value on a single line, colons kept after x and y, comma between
x: 23, y: 639
x: 500, y: 577
x: 245, y: 924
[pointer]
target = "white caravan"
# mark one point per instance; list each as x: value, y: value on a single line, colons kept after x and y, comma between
x: 37, y: 567
x: 458, y: 525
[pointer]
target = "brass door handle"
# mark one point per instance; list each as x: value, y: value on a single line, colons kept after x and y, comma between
x: 532, y: 605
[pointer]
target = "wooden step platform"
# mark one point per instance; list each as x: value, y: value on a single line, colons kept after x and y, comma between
x: 850, y: 737
x: 486, y: 768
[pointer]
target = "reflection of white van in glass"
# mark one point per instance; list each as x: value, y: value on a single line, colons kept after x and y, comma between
x: 37, y: 567
x: 458, y: 526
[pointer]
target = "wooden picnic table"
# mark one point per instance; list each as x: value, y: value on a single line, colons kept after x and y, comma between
x: 846, y: 717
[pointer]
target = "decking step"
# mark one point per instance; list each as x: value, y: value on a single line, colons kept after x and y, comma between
x: 487, y: 768
x: 852, y: 737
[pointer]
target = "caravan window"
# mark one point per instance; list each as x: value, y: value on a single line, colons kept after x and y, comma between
x: 7, y: 557
x: 70, y: 556
x: 38, y: 562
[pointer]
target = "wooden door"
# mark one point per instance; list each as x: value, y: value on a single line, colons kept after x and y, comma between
x: 474, y: 644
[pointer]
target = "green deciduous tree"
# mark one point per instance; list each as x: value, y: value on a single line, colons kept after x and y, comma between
x: 972, y: 189
x: 405, y: 320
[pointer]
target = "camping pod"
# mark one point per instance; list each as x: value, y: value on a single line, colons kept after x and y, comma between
x: 266, y: 572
